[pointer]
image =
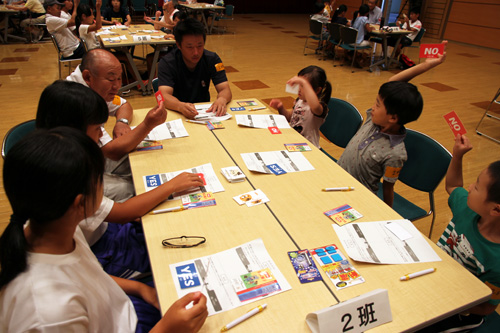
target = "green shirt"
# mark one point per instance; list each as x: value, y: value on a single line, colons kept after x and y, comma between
x: 463, y: 242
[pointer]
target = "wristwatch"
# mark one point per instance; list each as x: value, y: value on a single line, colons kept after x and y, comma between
x: 123, y: 120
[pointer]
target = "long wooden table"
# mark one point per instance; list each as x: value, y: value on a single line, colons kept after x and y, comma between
x: 157, y: 41
x: 293, y: 219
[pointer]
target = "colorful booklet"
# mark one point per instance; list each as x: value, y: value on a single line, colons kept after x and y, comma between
x: 343, y: 214
x: 149, y: 145
x: 197, y: 200
x: 304, y: 266
x: 297, y: 146
x: 336, y: 266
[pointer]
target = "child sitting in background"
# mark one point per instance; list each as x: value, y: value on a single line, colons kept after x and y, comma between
x: 377, y: 150
x: 360, y: 23
x: 311, y: 107
x: 86, y: 26
x: 473, y: 235
x: 49, y: 278
x: 339, y: 16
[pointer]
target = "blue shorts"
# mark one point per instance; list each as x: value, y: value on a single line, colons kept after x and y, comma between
x: 147, y: 315
x: 122, y: 250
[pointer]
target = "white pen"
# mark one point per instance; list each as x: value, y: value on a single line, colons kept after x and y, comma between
x: 343, y: 189
x: 414, y: 275
x: 196, y: 121
x: 255, y: 109
x: 241, y: 319
x: 167, y: 210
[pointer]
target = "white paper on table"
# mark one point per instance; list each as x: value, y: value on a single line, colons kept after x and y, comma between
x: 103, y: 32
x: 288, y: 161
x: 222, y: 275
x: 373, y: 242
x: 109, y: 39
x: 262, y: 120
x: 169, y: 130
x: 212, y: 182
x: 204, y: 115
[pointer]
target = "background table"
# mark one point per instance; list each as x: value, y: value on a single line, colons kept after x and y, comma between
x: 294, y: 220
x: 4, y: 23
x: 200, y: 8
x: 388, y: 60
x: 126, y: 46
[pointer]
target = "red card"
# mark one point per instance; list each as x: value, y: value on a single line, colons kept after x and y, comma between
x: 159, y: 97
x: 202, y: 176
x: 274, y: 130
x: 431, y: 50
x: 455, y: 123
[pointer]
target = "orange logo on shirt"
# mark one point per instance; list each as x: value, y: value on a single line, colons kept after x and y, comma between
x: 391, y: 172
x: 117, y: 100
x: 219, y: 67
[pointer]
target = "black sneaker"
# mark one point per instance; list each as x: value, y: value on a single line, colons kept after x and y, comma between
x: 465, y: 323
x: 456, y: 323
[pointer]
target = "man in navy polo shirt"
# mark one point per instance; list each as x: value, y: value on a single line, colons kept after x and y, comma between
x: 184, y: 74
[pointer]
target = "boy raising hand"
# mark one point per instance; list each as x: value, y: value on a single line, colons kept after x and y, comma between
x: 473, y: 235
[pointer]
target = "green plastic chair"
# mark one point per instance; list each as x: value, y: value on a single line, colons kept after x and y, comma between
x: 348, y: 36
x: 15, y: 134
x: 426, y: 166
x: 342, y: 122
x: 315, y: 33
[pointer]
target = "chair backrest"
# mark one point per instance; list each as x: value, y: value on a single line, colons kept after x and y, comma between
x: 342, y: 122
x: 334, y: 29
x: 348, y: 35
x: 15, y: 134
x: 154, y: 83
x: 419, y: 36
x: 316, y: 27
x: 229, y: 10
x: 56, y: 45
x: 427, y: 162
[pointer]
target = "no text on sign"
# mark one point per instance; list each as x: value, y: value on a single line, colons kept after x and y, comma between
x: 431, y: 50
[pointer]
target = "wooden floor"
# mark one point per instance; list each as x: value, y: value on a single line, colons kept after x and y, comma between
x: 264, y: 52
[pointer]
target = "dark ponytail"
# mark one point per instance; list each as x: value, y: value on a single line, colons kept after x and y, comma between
x: 43, y: 173
x: 317, y: 77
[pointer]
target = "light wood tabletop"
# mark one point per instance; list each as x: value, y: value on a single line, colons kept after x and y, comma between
x: 225, y: 225
x: 292, y: 219
x: 136, y: 34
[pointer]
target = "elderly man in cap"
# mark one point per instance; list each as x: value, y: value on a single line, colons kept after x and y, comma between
x: 71, y: 47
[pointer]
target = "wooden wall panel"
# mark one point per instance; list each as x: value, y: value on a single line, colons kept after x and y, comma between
x: 433, y: 16
x: 476, y: 14
x: 474, y: 22
x: 482, y: 36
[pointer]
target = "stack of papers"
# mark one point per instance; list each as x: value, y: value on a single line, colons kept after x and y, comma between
x: 233, y: 174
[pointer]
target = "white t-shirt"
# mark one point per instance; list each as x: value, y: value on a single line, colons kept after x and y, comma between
x: 65, y: 293
x: 94, y: 227
x: 113, y: 106
x: 58, y: 27
x: 67, y: 16
x: 89, y: 37
x: 415, y: 25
